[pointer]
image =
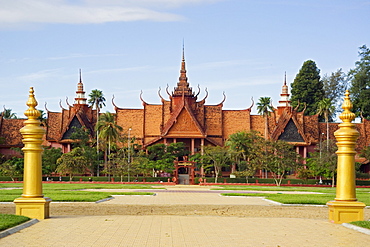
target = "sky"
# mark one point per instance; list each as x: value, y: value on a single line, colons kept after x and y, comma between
x: 123, y: 47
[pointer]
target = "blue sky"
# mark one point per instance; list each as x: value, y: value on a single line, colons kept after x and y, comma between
x: 241, y: 47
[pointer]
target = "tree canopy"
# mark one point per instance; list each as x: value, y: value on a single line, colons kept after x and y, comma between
x: 360, y: 83
x: 307, y: 88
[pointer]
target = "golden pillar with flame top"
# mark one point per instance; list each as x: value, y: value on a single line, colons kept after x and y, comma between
x: 32, y: 204
x: 345, y: 208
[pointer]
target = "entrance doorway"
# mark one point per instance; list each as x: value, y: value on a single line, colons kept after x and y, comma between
x: 184, y: 172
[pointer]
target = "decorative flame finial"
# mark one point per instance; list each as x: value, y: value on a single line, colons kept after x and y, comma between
x: 32, y: 112
x: 347, y: 116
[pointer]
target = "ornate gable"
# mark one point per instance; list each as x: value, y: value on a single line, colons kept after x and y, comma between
x: 183, y: 123
x: 289, y: 129
x: 291, y: 133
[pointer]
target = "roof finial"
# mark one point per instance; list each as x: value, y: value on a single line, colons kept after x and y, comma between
x: 80, y: 76
x: 285, y: 79
x: 183, y: 50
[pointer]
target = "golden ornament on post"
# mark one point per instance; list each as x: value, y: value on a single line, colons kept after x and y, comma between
x: 32, y: 204
x: 345, y: 208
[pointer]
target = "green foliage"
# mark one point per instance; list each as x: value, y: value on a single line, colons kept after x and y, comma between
x: 8, y: 114
x: 360, y: 83
x: 264, y: 108
x: 9, y: 220
x: 218, y: 156
x: 81, y: 136
x: 96, y: 98
x: 279, y: 157
x: 335, y: 85
x: 13, y: 167
x: 307, y: 88
x: 72, y: 162
x: 49, y: 159
x: 324, y: 161
x: 242, y: 149
x: 161, y: 157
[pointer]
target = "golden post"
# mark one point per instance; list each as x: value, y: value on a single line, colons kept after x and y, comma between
x: 345, y: 208
x: 32, y: 204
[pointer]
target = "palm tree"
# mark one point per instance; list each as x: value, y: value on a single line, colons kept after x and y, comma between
x: 8, y: 114
x: 265, y: 108
x: 97, y: 99
x: 326, y: 108
x: 108, y: 129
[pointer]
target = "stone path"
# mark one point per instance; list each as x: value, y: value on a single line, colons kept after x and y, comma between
x: 254, y: 222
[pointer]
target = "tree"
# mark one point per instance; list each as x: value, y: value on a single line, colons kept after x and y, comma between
x: 8, y: 114
x: 42, y: 118
x: 109, y: 131
x: 49, y: 159
x: 324, y: 161
x: 334, y: 88
x: 326, y: 108
x: 307, y: 88
x: 12, y: 168
x: 219, y: 157
x: 360, y: 83
x: 265, y: 108
x: 162, y: 157
x: 72, y: 162
x: 242, y: 147
x: 280, y: 157
x: 97, y: 99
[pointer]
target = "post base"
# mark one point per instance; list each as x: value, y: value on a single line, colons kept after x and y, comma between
x: 35, y: 208
x: 345, y: 211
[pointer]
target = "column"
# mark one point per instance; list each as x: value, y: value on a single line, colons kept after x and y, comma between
x: 32, y: 203
x: 345, y: 208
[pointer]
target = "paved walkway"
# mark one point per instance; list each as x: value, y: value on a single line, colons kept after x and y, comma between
x: 171, y: 230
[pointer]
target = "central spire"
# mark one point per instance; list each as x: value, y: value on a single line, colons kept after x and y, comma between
x: 183, y: 85
x: 80, y: 93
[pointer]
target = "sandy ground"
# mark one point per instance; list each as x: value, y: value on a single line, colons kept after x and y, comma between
x: 308, y: 212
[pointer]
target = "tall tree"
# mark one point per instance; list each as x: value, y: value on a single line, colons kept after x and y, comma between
x: 97, y: 99
x: 307, y: 88
x: 49, y: 159
x: 326, y: 108
x: 265, y: 108
x: 109, y: 130
x: 335, y: 85
x: 360, y: 83
x: 8, y: 114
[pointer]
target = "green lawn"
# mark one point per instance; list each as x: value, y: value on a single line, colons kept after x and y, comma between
x: 9, y: 220
x: 72, y: 192
x: 364, y: 224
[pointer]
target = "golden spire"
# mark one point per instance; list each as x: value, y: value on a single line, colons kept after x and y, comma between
x: 32, y: 112
x: 347, y: 116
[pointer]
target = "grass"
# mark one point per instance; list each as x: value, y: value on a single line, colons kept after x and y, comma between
x: 9, y: 220
x: 313, y: 199
x: 72, y: 192
x: 364, y: 224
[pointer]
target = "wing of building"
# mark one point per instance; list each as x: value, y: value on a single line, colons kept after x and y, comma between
x: 182, y: 117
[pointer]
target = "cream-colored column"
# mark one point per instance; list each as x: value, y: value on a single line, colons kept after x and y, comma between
x: 345, y: 208
x: 32, y: 204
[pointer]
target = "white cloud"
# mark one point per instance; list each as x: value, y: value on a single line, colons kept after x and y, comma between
x: 17, y: 12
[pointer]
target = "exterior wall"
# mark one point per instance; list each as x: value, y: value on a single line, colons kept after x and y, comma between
x: 131, y: 118
x: 213, y: 115
x: 153, y: 120
x: 234, y: 121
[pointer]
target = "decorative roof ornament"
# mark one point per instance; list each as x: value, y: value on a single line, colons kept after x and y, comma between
x: 347, y: 116
x: 32, y: 113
